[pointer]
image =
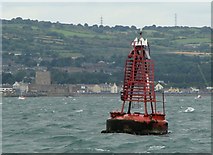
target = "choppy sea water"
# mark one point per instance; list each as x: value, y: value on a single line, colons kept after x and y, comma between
x: 74, y: 125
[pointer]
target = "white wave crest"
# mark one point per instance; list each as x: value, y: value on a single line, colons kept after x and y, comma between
x: 189, y: 109
x: 156, y: 147
x: 101, y: 150
x: 81, y: 110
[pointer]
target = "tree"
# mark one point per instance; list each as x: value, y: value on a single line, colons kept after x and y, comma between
x: 19, y: 76
x: 8, y: 78
x: 86, y: 25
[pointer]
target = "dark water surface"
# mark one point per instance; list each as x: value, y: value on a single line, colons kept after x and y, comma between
x: 74, y: 124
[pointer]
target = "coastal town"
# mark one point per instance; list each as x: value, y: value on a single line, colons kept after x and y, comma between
x: 43, y: 87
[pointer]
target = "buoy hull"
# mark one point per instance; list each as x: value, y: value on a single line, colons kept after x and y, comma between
x: 137, y: 124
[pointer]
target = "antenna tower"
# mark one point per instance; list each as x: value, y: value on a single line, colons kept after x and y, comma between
x: 175, y: 19
x: 101, y: 20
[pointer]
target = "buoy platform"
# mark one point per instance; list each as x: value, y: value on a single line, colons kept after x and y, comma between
x: 137, y: 123
x: 138, y: 87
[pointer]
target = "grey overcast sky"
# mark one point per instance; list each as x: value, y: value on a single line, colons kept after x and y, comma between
x: 138, y: 13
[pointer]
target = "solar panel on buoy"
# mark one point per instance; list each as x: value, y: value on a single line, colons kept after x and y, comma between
x: 138, y: 87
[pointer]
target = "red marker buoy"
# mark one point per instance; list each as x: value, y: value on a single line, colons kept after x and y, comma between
x: 138, y: 87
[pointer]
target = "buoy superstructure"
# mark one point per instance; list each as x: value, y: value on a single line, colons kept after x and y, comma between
x: 138, y: 87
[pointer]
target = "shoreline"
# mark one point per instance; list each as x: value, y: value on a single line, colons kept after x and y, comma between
x: 109, y: 94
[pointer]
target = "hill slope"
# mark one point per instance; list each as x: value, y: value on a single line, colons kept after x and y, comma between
x: 98, y: 52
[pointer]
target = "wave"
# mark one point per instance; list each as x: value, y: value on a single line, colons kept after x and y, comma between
x: 63, y: 137
x: 81, y: 110
x: 189, y: 109
x: 89, y: 150
x: 67, y: 126
x: 101, y: 150
x: 156, y: 147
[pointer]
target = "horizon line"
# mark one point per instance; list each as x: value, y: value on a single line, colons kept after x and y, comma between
x: 104, y: 25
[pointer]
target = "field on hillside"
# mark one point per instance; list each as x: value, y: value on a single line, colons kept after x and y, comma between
x: 29, y: 45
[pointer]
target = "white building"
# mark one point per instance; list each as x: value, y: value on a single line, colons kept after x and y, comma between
x: 209, y: 88
x: 94, y: 88
x: 194, y: 90
x: 4, y: 90
x: 158, y: 87
x: 20, y: 86
x: 102, y: 88
x: 114, y: 89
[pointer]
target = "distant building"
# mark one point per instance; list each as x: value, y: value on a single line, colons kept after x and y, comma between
x: 20, y: 87
x: 158, y: 87
x: 209, y: 88
x: 194, y: 90
x: 105, y: 88
x: 93, y: 88
x: 173, y: 90
x: 50, y: 90
x: 114, y: 89
x: 102, y: 88
x: 77, y: 88
x: 6, y: 90
x: 58, y: 90
x: 43, y: 78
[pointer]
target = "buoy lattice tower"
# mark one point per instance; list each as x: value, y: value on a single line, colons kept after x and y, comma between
x: 138, y: 87
x: 139, y: 77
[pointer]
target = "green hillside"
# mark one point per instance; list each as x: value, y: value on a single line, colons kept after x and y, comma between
x: 99, y: 52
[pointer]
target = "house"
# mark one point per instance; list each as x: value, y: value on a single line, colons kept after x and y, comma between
x: 43, y: 78
x: 105, y: 88
x: 6, y: 90
x: 21, y: 87
x: 173, y: 90
x: 109, y: 88
x: 102, y: 88
x: 93, y: 88
x: 209, y: 89
x: 158, y: 87
x: 114, y: 89
x: 194, y: 90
